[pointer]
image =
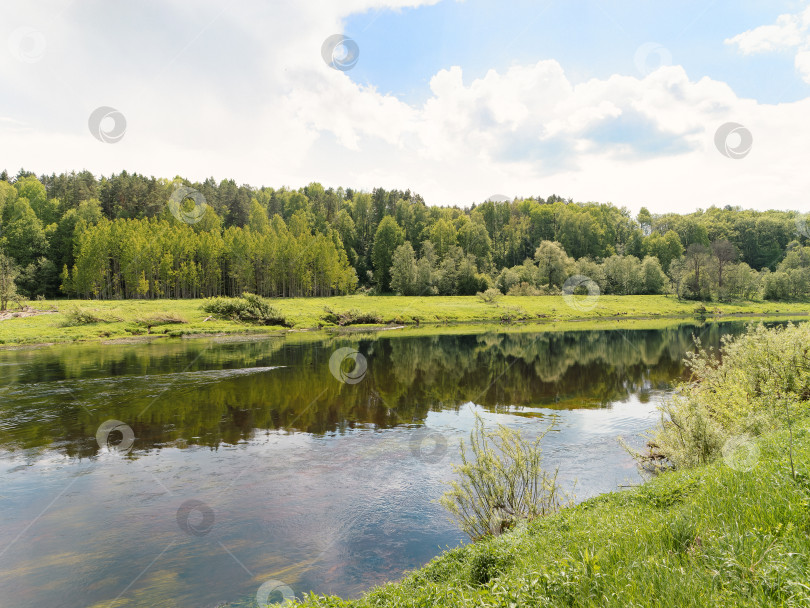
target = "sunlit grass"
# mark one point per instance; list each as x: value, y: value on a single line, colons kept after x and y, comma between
x: 120, y: 318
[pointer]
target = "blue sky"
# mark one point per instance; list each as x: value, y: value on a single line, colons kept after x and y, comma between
x: 457, y: 101
x: 401, y: 50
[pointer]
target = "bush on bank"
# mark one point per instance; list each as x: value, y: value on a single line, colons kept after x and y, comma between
x: 762, y: 385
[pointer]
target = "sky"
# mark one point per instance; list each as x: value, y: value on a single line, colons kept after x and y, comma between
x: 672, y: 106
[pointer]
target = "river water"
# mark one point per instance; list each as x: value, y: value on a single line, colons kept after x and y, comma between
x: 198, y: 472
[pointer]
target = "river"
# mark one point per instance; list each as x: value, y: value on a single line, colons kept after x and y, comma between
x: 196, y: 472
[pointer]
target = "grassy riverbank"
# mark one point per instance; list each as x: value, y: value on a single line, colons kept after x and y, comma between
x: 710, y: 536
x: 116, y: 319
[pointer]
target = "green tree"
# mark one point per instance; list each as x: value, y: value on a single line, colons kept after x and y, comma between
x: 697, y: 280
x: 31, y: 189
x: 723, y: 253
x: 404, y: 270
x: 388, y: 237
x: 443, y: 237
x: 553, y: 263
x: 24, y: 234
x: 8, y: 275
x: 645, y: 220
x: 257, y: 219
x: 666, y: 247
x: 653, y: 277
x: 474, y: 240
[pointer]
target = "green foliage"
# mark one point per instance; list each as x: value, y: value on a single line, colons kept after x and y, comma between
x: 490, y: 296
x: 763, y: 384
x: 486, y: 561
x: 118, y: 239
x: 8, y: 274
x: 502, y: 483
x: 553, y: 264
x: 351, y: 317
x: 404, y: 271
x: 388, y: 237
x: 670, y: 491
x: 249, y: 308
x: 78, y: 315
x: 524, y: 289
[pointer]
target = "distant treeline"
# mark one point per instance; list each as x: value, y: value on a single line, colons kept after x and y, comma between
x: 118, y: 237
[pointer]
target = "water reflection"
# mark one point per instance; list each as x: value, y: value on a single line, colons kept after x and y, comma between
x: 210, y: 393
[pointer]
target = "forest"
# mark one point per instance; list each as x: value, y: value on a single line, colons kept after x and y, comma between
x: 131, y: 236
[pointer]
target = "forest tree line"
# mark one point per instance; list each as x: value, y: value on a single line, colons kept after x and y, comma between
x: 117, y: 237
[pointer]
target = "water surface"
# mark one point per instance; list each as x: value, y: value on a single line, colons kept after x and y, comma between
x: 300, y: 474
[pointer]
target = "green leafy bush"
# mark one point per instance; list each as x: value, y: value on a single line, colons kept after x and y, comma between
x: 248, y: 308
x: 524, y: 289
x: 763, y: 384
x: 350, y: 317
x: 504, y: 482
x: 488, y: 561
x: 81, y: 316
x: 490, y: 296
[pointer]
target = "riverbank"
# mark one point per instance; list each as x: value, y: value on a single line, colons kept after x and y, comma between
x: 136, y: 320
x: 710, y: 536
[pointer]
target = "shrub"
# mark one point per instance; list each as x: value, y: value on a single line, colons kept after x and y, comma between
x: 248, y: 308
x: 502, y: 484
x: 762, y: 384
x: 513, y: 313
x: 350, y: 317
x: 490, y: 296
x: 81, y: 316
x: 488, y: 560
x: 230, y: 308
x: 161, y: 318
x: 524, y: 289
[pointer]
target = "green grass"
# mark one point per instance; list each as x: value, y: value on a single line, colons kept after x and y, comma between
x: 124, y: 318
x: 710, y: 536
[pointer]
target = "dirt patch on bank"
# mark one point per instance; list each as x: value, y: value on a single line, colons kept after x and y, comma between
x: 25, y: 311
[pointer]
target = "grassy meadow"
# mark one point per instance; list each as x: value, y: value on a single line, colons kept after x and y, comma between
x: 86, y: 320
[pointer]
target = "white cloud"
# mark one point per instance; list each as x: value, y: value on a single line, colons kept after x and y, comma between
x: 789, y: 33
x: 243, y: 93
